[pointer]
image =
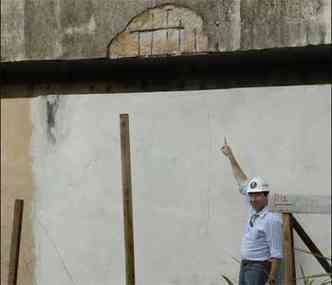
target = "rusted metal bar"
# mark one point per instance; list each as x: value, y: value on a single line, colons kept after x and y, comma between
x: 158, y: 29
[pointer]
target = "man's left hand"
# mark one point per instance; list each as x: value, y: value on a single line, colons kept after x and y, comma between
x: 271, y: 280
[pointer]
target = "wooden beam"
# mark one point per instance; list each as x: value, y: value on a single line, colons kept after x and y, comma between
x: 289, y: 258
x: 127, y: 200
x: 15, y: 242
x: 311, y: 245
x: 294, y: 203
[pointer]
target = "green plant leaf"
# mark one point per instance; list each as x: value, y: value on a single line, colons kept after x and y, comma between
x: 228, y: 281
x: 305, y: 279
x: 328, y: 281
x: 315, y: 276
x: 310, y: 279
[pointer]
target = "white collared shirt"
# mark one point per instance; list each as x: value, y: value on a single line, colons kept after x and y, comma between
x: 263, y: 240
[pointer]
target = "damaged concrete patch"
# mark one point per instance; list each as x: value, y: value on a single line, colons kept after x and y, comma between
x: 166, y: 29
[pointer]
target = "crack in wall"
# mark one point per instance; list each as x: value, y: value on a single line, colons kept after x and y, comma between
x: 65, y: 267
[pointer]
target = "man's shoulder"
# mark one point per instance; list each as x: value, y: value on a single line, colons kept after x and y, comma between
x: 274, y: 217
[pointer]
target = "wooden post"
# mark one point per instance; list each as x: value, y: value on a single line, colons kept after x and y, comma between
x: 127, y: 200
x: 289, y: 259
x: 15, y: 242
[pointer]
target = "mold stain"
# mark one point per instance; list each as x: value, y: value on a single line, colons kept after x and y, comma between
x: 52, y: 106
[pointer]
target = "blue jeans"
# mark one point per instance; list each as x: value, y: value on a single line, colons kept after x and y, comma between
x: 253, y: 274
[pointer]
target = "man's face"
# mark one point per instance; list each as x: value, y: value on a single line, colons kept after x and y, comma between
x: 258, y: 200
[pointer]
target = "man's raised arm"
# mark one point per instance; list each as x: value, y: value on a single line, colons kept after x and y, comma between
x: 238, y: 173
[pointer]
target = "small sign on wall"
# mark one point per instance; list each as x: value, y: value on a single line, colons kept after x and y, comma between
x: 295, y: 203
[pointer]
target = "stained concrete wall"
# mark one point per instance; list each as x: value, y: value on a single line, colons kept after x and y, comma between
x: 188, y: 214
x: 16, y: 183
x: 58, y: 29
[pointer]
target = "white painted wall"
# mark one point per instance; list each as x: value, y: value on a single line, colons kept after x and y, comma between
x: 188, y: 215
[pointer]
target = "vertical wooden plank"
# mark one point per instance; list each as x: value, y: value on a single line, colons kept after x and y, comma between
x: 127, y: 200
x: 289, y: 259
x: 15, y: 242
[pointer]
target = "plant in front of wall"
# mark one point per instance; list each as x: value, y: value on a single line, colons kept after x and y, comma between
x: 307, y: 279
x: 315, y: 278
x: 228, y: 281
x: 310, y: 279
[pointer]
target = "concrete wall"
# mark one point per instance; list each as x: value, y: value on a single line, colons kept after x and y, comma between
x: 58, y: 29
x: 188, y: 215
x: 16, y: 183
x: 69, y: 174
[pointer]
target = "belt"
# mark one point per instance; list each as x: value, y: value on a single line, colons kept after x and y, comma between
x: 265, y: 263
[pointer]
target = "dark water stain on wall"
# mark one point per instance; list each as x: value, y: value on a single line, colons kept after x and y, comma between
x: 52, y: 106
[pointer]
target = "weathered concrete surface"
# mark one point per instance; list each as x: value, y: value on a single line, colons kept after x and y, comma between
x: 42, y: 29
x: 50, y: 29
x: 78, y: 226
x: 12, y: 30
x: 16, y: 183
x: 269, y: 24
x: 188, y: 215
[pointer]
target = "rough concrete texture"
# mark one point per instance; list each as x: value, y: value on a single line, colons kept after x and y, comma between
x: 12, y: 30
x: 284, y: 23
x: 50, y: 29
x: 16, y: 183
x: 188, y: 214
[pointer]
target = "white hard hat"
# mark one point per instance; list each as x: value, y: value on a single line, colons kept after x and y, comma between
x: 256, y: 185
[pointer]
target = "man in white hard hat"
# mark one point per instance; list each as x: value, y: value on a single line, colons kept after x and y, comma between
x: 261, y: 247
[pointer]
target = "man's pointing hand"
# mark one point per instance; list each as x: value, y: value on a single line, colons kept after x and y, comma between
x: 226, y: 149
